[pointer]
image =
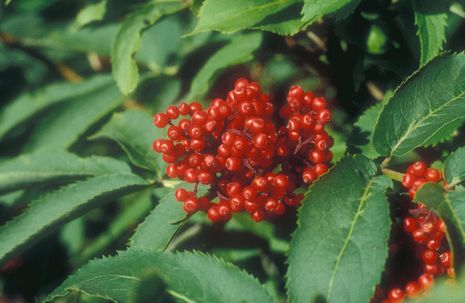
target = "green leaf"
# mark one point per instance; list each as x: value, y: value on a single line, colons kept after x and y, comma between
x: 279, y: 16
x: 64, y: 125
x: 454, y: 167
x: 264, y: 230
x: 450, y: 206
x: 339, y: 248
x: 423, y: 107
x: 190, y: 277
x: 48, y: 212
x: 238, y: 51
x: 159, y: 228
x: 128, y: 40
x: 366, y: 123
x: 51, y: 167
x: 315, y: 9
x: 133, y: 130
x: 161, y: 44
x: 138, y: 205
x: 91, y: 13
x: 31, y: 104
x: 431, y: 29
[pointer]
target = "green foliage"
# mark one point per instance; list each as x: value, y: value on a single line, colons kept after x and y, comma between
x: 454, y: 167
x: 191, y: 277
x: 342, y: 234
x: 166, y: 219
x: 49, y: 167
x: 79, y: 179
x: 49, y: 211
x: 50, y: 133
x: 366, y: 123
x: 238, y: 51
x: 91, y: 13
x: 450, y: 206
x: 30, y: 104
x: 431, y: 29
x: 314, y: 9
x: 231, y: 16
x: 134, y: 132
x: 423, y: 106
x: 128, y: 39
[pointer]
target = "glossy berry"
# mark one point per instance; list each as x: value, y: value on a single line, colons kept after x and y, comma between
x: 250, y: 154
x: 427, y: 233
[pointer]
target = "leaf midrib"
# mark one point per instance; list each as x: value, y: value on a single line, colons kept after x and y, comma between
x: 364, y: 198
x: 412, y: 127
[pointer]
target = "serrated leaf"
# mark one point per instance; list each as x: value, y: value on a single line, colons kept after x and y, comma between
x: 45, y: 214
x: 51, y: 167
x: 431, y: 29
x: 160, y: 226
x: 133, y: 130
x: 279, y: 16
x: 128, y: 40
x: 454, y: 167
x: 28, y: 105
x: 137, y: 206
x: 366, y: 123
x: 423, y: 107
x: 339, y: 248
x: 64, y: 125
x: 450, y: 206
x: 190, y: 277
x: 238, y: 51
x: 314, y: 9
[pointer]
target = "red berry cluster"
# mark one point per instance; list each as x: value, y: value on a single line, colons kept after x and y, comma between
x: 252, y: 158
x: 427, y: 231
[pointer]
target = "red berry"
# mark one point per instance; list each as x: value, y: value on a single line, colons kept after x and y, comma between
x: 410, y: 225
x: 233, y: 163
x: 160, y: 120
x: 445, y: 259
x: 430, y: 269
x: 430, y: 256
x: 172, y: 112
x: 407, y: 180
x: 309, y: 175
x: 396, y: 294
x: 419, y: 168
x: 433, y: 175
x: 191, y: 205
x: 181, y: 194
x: 213, y: 214
x: 426, y: 281
x: 318, y: 104
x: 412, y: 289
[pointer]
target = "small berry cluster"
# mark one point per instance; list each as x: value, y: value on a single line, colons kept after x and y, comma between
x: 427, y: 231
x: 251, y: 158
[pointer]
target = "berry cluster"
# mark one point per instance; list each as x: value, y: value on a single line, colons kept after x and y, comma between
x: 427, y: 232
x: 251, y: 157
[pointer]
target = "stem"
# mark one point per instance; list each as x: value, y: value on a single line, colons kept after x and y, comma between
x: 392, y: 174
x: 385, y: 162
x: 451, y: 247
